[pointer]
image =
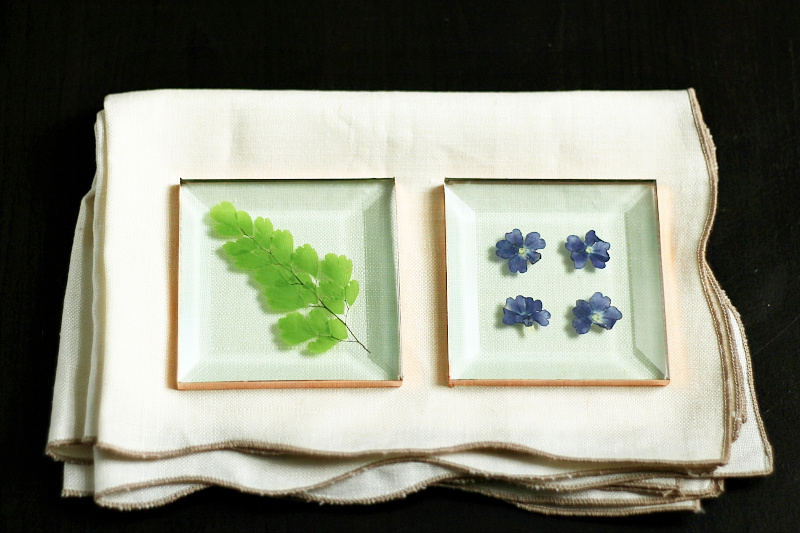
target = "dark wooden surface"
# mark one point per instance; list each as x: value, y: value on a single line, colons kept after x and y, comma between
x: 60, y: 59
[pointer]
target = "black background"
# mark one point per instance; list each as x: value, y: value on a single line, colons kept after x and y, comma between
x: 60, y: 59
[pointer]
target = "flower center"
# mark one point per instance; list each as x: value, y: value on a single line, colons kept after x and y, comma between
x: 589, y: 249
x: 523, y: 251
x: 597, y: 317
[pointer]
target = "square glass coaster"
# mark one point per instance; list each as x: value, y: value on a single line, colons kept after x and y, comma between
x: 482, y: 350
x: 228, y: 335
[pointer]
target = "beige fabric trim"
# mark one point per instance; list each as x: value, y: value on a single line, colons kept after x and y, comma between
x: 709, y: 151
x: 740, y: 409
x: 380, y: 499
x: 211, y: 480
x: 675, y: 494
x: 599, y: 483
x: 569, y: 503
x: 740, y: 415
x: 259, y: 447
x: 70, y: 493
x: 299, y: 494
x: 461, y: 473
x: 650, y: 487
x: 689, y: 505
x: 751, y: 386
x: 564, y: 498
x: 149, y: 505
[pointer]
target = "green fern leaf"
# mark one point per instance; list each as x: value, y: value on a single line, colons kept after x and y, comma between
x: 239, y: 246
x: 295, y: 328
x: 319, y: 322
x: 305, y: 258
x: 291, y: 279
x: 245, y: 223
x: 284, y: 298
x: 332, y: 296
x: 263, y: 232
x: 351, y: 292
x: 282, y: 245
x: 338, y: 329
x: 224, y: 213
x: 252, y: 260
x: 321, y: 345
x: 338, y: 268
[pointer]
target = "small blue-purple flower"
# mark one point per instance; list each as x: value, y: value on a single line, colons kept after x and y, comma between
x: 518, y: 251
x: 524, y: 310
x: 598, y: 311
x: 593, y: 249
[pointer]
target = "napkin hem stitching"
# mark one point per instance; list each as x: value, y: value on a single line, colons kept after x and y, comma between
x: 708, y: 149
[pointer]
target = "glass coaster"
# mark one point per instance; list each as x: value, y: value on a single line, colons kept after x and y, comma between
x: 250, y: 314
x: 483, y: 350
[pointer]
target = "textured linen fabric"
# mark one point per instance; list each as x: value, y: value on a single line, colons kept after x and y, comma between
x: 750, y: 455
x: 115, y: 400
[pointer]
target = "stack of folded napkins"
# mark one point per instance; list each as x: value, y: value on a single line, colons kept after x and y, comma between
x: 131, y: 440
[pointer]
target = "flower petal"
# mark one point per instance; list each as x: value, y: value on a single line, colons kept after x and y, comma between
x: 598, y: 302
x: 527, y: 320
x: 612, y: 313
x: 542, y: 317
x: 582, y: 309
x: 534, y: 241
x: 610, y: 323
x: 509, y: 316
x: 520, y: 304
x: 532, y: 306
x: 518, y: 263
x: 532, y: 256
x: 598, y: 261
x: 600, y: 247
x: 579, y: 258
x: 574, y: 244
x: 506, y: 250
x: 582, y: 324
x: 591, y: 237
x: 515, y: 237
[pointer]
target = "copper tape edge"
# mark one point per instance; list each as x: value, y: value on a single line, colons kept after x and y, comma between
x: 559, y: 382
x: 297, y: 384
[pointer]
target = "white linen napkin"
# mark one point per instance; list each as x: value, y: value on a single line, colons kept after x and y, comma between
x: 132, y: 440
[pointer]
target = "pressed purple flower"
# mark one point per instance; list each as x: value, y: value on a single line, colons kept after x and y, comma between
x: 598, y: 311
x: 593, y: 249
x: 524, y: 310
x: 520, y: 252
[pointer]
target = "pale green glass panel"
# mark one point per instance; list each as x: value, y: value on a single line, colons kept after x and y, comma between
x: 624, y: 213
x: 227, y: 333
